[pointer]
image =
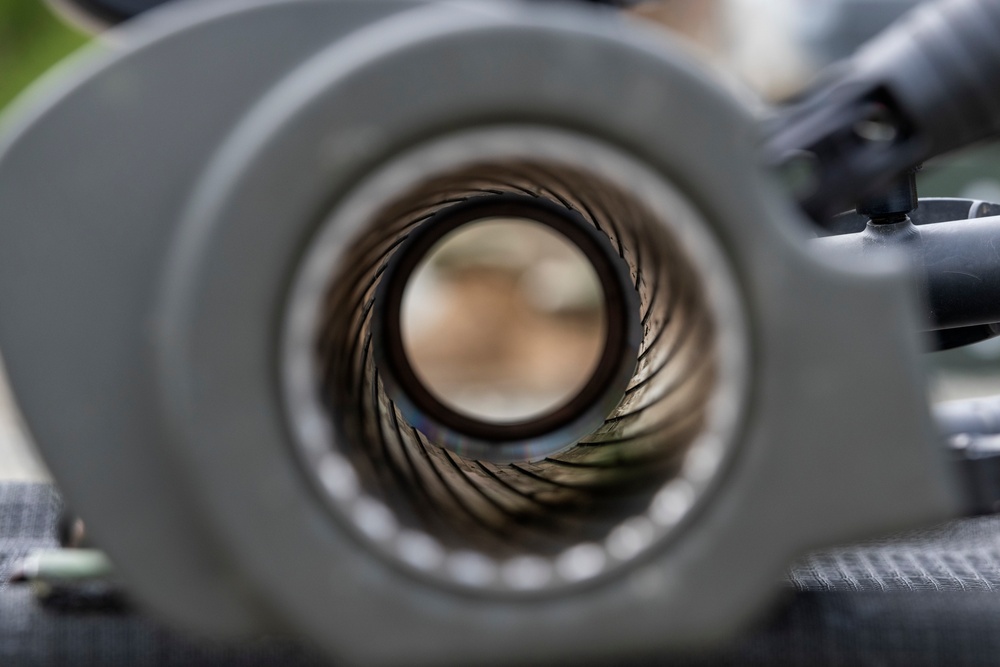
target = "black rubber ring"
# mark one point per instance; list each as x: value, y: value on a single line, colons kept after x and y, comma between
x: 618, y: 358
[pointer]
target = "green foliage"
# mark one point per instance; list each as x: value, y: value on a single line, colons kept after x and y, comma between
x: 32, y: 39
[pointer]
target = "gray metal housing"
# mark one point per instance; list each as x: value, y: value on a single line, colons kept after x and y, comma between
x: 155, y: 200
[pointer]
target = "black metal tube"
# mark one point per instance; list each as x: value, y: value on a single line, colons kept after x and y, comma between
x: 922, y: 88
x: 957, y: 265
x: 940, y: 67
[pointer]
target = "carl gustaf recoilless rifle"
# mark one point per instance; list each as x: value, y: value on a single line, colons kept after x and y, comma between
x: 208, y: 222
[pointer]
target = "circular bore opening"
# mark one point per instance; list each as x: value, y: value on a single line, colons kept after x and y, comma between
x: 521, y: 523
x: 503, y: 320
x: 560, y: 373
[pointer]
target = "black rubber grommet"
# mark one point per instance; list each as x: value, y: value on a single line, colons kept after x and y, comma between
x: 554, y: 430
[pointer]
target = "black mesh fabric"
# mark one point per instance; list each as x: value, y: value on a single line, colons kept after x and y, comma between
x: 31, y: 635
x: 28, y: 513
x: 960, y: 555
x: 920, y: 598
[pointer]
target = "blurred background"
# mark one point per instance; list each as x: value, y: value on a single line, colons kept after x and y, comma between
x: 32, y: 39
x: 768, y: 49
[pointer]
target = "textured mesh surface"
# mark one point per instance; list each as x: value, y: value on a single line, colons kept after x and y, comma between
x: 28, y: 514
x: 32, y: 636
x: 920, y: 598
x: 956, y: 556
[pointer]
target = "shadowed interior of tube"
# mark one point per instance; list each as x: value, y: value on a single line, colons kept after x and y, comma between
x: 541, y: 506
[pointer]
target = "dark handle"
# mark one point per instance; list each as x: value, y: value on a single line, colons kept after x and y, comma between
x: 941, y: 68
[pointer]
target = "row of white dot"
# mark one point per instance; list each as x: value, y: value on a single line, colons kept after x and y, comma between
x: 529, y: 572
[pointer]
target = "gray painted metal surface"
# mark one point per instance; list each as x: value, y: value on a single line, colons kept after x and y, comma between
x: 155, y: 204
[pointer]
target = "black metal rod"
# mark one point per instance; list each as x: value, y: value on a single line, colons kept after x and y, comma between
x: 957, y: 265
x: 922, y: 88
